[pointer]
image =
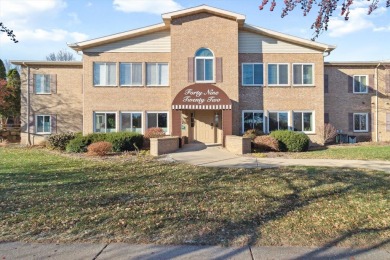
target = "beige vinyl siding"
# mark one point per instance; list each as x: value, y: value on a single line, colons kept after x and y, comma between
x: 154, y: 42
x: 249, y: 42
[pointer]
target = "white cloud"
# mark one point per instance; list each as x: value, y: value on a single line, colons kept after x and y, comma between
x: 25, y: 19
x: 146, y: 6
x: 15, y: 9
x: 54, y: 35
x: 358, y: 20
x: 89, y: 4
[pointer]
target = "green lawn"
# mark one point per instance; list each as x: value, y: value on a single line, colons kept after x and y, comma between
x: 366, y: 152
x: 56, y: 198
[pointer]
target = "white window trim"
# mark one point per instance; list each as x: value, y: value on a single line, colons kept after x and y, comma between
x: 105, y: 112
x: 314, y: 120
x: 305, y: 85
x: 288, y: 75
x: 168, y: 117
x: 253, y: 76
x: 279, y: 111
x: 146, y: 74
x: 205, y: 58
x: 42, y: 93
x: 353, y: 84
x: 132, y: 112
x: 251, y: 111
x: 131, y: 85
x: 36, y: 125
x: 105, y: 63
x: 353, y: 121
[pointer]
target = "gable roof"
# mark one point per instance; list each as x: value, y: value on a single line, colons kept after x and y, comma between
x: 167, y: 17
x: 289, y: 38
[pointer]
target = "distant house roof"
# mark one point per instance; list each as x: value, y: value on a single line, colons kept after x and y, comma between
x: 356, y: 63
x: 46, y: 63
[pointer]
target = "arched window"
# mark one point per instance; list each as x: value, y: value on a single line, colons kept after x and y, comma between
x: 204, y: 65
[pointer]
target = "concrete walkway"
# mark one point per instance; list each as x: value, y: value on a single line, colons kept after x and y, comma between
x: 18, y: 250
x: 216, y: 156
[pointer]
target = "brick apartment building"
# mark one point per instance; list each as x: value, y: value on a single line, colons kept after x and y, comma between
x: 203, y: 74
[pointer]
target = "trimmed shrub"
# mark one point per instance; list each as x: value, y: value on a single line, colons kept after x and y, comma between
x: 154, y: 132
x: 59, y: 141
x: 122, y: 141
x: 99, y: 148
x: 252, y: 133
x: 266, y: 143
x: 291, y: 141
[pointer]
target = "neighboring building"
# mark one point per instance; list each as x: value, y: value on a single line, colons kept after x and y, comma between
x: 204, y: 74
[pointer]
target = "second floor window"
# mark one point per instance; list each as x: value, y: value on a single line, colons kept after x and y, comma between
x: 130, y: 74
x: 204, y: 65
x: 360, y: 84
x: 42, y: 84
x: 157, y: 74
x: 278, y: 74
x: 303, y: 74
x: 252, y: 74
x: 104, y: 74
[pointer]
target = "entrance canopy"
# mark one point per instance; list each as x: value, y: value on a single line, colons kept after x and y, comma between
x: 202, y: 97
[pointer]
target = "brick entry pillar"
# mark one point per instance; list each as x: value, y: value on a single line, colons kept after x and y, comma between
x: 176, y: 123
x: 227, y: 123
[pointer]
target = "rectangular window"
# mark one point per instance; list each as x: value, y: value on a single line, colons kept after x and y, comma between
x: 157, y: 74
x: 303, y: 74
x: 360, y: 84
x: 130, y: 74
x: 252, y: 120
x: 252, y: 74
x: 277, y: 121
x: 360, y: 122
x: 43, y: 124
x: 204, y: 69
x: 131, y: 122
x: 303, y: 121
x: 278, y: 74
x: 105, y: 122
x: 158, y: 119
x: 104, y: 74
x: 42, y: 84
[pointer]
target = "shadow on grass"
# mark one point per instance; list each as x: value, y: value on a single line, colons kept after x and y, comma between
x: 160, y: 201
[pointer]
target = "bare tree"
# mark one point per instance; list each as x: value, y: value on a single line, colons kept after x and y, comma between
x: 62, y: 55
x: 9, y: 32
x: 325, y: 10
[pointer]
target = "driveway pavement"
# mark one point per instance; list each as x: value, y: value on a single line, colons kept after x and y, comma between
x: 19, y: 250
x: 216, y: 156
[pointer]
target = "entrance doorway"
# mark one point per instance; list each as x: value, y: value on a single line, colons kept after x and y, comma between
x: 208, y: 126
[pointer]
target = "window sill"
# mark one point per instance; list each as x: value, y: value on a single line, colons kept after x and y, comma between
x: 42, y: 93
x: 279, y: 86
x: 157, y: 86
x: 252, y: 85
x: 106, y: 86
x: 362, y: 131
x: 360, y: 93
x: 131, y: 86
x: 43, y: 133
x: 210, y: 81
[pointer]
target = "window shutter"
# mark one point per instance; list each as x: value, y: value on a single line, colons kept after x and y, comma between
x: 326, y: 118
x: 350, y: 122
x: 32, y: 84
x: 31, y: 123
x: 371, y: 82
x: 191, y: 62
x: 326, y: 83
x: 350, y: 84
x: 218, y: 65
x: 387, y: 122
x: 53, y: 122
x: 53, y: 83
x: 388, y: 83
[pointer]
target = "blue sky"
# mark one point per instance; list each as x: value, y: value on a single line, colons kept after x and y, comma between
x: 45, y: 26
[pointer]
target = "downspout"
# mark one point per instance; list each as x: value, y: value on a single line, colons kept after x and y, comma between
x: 376, y: 104
x: 28, y: 105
